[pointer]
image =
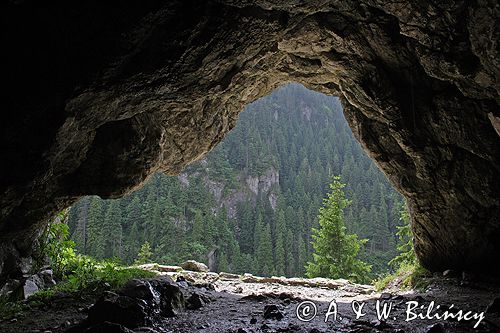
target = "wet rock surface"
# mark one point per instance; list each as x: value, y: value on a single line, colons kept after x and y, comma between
x: 239, y: 306
x: 116, y: 93
x: 140, y: 303
x: 24, y: 287
x: 231, y: 305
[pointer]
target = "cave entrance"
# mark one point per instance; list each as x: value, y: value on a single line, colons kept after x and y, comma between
x: 250, y: 205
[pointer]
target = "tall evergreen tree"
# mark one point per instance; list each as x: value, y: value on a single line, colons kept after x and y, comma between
x: 336, y: 251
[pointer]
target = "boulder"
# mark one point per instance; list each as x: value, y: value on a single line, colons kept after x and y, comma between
x: 196, y: 301
x: 31, y: 285
x: 228, y: 276
x: 195, y: 266
x: 47, y: 276
x: 138, y: 303
x: 171, y: 297
x: 272, y: 312
x: 140, y: 289
x: 123, y: 310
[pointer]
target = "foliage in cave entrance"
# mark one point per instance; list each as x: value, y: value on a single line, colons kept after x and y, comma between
x: 255, y: 198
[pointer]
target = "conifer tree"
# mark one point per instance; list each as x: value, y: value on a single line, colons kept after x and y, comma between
x: 95, y: 239
x: 144, y: 255
x: 265, y: 252
x: 279, y: 248
x: 336, y: 251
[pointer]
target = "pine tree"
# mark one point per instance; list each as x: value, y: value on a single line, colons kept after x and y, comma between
x: 95, y: 239
x: 279, y: 248
x: 336, y: 251
x: 265, y: 252
x: 134, y: 243
x: 144, y: 255
x: 112, y: 231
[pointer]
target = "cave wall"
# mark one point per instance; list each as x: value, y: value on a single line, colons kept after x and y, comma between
x: 101, y: 94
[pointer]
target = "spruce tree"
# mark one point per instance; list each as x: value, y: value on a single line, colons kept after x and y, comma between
x: 279, y: 248
x: 144, y: 255
x: 265, y: 252
x: 336, y: 251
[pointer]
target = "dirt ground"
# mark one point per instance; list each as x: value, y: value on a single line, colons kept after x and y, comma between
x: 236, y: 306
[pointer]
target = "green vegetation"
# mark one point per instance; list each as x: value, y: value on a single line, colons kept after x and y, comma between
x: 10, y: 309
x: 408, y: 273
x: 336, y: 251
x: 301, y: 136
x: 144, y: 255
x: 79, y: 273
x: 76, y: 274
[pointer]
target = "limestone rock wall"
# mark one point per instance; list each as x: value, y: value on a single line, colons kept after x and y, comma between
x: 99, y: 95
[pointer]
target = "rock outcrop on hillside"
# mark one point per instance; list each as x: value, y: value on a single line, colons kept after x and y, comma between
x: 99, y: 96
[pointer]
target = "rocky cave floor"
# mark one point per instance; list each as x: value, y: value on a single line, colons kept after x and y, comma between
x: 231, y: 305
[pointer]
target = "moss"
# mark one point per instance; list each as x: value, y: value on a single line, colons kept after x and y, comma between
x: 406, y: 277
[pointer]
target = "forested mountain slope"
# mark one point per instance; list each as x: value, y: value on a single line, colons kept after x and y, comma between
x: 251, y: 204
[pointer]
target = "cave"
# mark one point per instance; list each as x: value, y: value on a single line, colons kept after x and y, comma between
x: 101, y: 95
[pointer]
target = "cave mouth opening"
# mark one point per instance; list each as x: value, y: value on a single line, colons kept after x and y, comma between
x: 250, y: 205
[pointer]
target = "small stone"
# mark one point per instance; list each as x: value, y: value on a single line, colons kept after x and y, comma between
x: 196, y: 301
x: 436, y: 328
x: 385, y: 296
x: 145, y: 330
x: 272, y: 312
x: 450, y: 273
x: 380, y: 324
x: 181, y: 282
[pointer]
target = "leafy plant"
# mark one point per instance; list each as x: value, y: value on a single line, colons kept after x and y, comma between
x: 80, y: 273
x: 56, y: 245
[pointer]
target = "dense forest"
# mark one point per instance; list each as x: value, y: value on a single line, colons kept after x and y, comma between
x: 251, y: 204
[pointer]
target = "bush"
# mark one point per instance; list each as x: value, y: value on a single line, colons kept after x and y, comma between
x: 76, y: 272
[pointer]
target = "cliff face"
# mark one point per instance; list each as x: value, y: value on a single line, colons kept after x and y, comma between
x: 248, y: 189
x: 99, y: 96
